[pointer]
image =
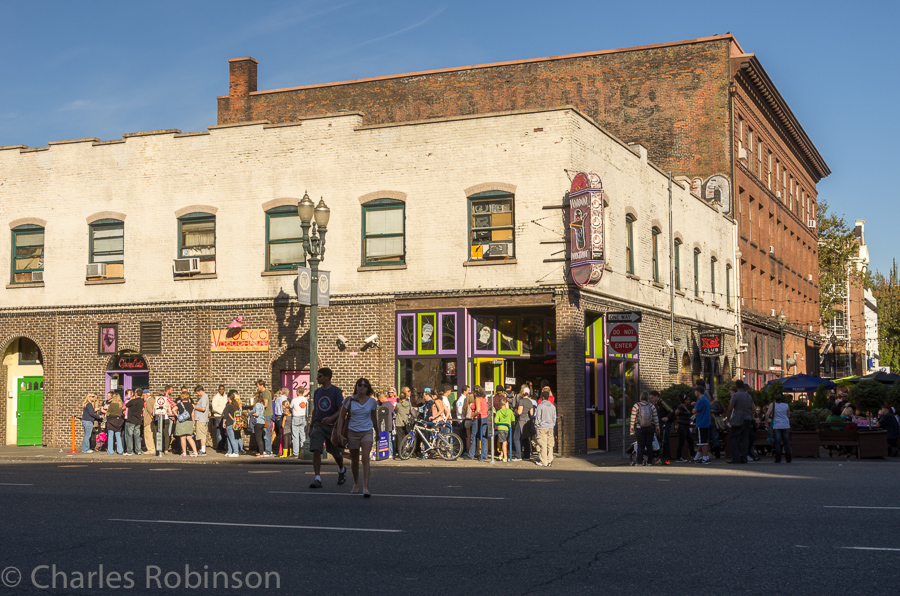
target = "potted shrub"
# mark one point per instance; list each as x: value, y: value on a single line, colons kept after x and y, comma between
x: 804, y: 432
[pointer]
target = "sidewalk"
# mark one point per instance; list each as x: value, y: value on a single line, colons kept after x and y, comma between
x: 13, y: 454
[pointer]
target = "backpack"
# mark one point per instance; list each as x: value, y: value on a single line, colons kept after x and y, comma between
x: 238, y: 421
x: 645, y: 415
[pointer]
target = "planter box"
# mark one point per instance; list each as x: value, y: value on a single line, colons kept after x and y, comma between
x: 805, y: 443
x: 873, y: 443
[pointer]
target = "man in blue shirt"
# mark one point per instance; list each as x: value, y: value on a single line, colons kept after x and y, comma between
x: 327, y: 405
x: 701, y: 411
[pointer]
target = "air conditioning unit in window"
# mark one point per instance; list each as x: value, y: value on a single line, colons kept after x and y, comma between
x: 496, y: 250
x: 186, y: 266
x: 742, y: 154
x: 771, y: 250
x: 777, y: 194
x: 810, y: 277
x: 37, y: 276
x: 811, y: 223
x: 96, y: 270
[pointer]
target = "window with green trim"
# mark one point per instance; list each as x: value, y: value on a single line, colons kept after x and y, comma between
x: 27, y: 253
x: 697, y: 272
x: 107, y: 245
x: 284, y: 239
x: 629, y: 244
x: 728, y: 285
x: 677, y: 263
x: 197, y: 239
x: 492, y: 226
x: 384, y: 232
x: 656, y: 254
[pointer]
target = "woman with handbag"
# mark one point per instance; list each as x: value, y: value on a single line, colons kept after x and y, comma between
x: 184, y: 424
x: 357, y: 415
x: 228, y: 422
x: 259, y: 424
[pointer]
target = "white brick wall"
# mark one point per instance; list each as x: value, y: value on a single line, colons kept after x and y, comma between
x: 238, y: 169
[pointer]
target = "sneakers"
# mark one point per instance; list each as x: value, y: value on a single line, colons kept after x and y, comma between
x: 705, y: 462
x: 203, y: 452
x: 88, y: 451
x: 316, y: 484
x: 668, y: 462
x: 342, y: 477
x: 681, y: 460
x: 126, y: 454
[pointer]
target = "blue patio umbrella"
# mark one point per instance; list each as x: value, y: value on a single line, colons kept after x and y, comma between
x: 802, y: 383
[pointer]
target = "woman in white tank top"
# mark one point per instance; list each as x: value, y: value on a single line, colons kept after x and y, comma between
x: 780, y: 415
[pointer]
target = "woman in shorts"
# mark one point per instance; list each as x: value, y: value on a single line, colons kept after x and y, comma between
x: 362, y: 407
x: 184, y: 430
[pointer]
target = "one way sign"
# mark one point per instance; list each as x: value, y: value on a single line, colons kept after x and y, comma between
x: 623, y: 317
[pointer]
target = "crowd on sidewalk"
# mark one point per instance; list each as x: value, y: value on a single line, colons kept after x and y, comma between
x: 700, y: 421
x: 517, y: 424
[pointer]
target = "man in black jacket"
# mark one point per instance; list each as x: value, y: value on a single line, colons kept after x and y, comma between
x: 666, y: 422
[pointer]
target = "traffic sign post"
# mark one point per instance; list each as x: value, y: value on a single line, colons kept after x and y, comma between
x: 624, y: 317
x: 623, y: 338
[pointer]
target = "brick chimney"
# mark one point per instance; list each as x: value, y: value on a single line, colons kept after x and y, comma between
x: 242, y: 76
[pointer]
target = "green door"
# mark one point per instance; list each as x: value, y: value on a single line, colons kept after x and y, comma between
x: 30, y: 416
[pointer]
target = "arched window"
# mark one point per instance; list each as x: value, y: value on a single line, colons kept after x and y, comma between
x: 727, y: 285
x: 696, y: 272
x: 677, y: 264
x: 284, y: 239
x: 629, y: 244
x: 107, y: 245
x: 492, y: 226
x: 28, y: 254
x: 384, y: 232
x: 655, y: 245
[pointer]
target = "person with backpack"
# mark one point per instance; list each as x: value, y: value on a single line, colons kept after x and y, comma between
x: 645, y: 425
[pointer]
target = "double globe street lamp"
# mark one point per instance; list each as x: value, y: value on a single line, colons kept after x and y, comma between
x: 314, y: 246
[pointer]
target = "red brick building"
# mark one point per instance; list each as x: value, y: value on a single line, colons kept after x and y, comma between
x: 702, y: 107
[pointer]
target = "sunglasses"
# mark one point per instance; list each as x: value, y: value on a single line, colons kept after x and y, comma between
x: 366, y: 385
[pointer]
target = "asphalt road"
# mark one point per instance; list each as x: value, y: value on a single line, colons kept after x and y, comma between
x: 759, y: 529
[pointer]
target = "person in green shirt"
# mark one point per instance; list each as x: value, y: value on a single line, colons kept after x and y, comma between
x: 504, y: 416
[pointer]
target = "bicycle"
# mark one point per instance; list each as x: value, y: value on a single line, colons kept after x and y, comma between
x: 447, y: 445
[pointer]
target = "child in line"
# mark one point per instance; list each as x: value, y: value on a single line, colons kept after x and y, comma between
x: 504, y: 416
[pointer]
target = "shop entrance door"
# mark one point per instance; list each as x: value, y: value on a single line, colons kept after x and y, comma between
x: 121, y: 381
x: 596, y: 406
x: 294, y: 380
x: 623, y: 382
x: 489, y: 373
x: 29, y: 411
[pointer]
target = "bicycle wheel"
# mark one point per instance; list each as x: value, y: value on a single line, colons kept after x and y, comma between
x: 408, y: 445
x: 449, y: 446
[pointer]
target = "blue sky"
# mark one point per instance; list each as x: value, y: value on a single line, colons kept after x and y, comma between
x: 104, y: 68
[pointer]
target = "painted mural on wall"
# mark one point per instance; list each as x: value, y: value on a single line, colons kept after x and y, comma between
x: 586, y: 238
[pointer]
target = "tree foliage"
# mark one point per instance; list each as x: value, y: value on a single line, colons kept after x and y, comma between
x: 869, y: 396
x: 838, y: 247
x: 887, y: 293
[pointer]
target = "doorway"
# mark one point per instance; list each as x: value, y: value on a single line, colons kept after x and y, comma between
x: 29, y: 410
x: 294, y: 381
x: 489, y: 373
x: 623, y: 378
x: 597, y: 406
x: 120, y: 381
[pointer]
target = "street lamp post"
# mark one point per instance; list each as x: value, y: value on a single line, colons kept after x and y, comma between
x: 314, y: 245
x: 782, y: 319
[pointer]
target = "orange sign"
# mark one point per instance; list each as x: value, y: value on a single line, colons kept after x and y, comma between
x: 240, y: 340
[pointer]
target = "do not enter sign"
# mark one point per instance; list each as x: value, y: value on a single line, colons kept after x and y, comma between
x: 623, y: 338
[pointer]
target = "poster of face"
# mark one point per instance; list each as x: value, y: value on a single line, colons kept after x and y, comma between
x: 108, y: 339
x: 427, y: 333
x: 484, y: 334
